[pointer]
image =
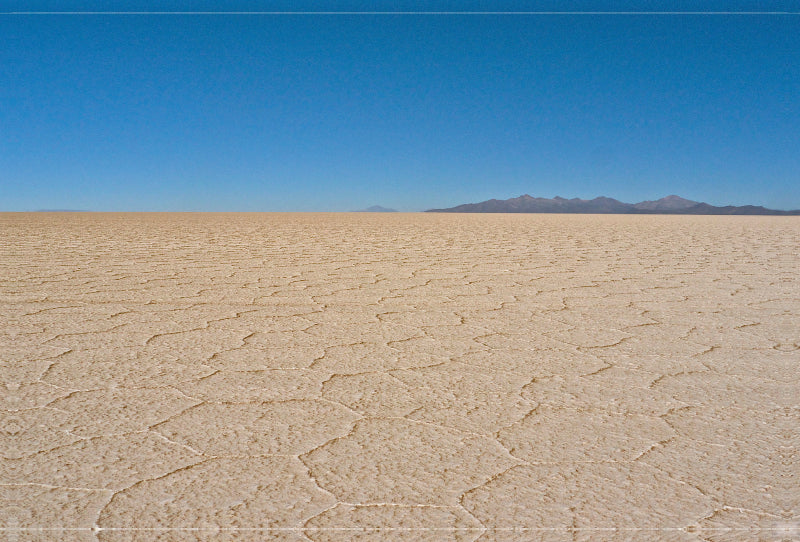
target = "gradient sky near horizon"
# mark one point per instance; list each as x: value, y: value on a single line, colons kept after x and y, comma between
x: 322, y: 112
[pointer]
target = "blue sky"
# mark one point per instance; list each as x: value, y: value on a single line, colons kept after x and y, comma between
x: 339, y: 112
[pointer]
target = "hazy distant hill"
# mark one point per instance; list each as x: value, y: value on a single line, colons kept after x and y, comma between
x: 603, y: 205
x: 376, y: 209
x: 669, y: 203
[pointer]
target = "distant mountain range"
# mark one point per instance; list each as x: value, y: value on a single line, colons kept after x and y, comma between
x: 60, y: 211
x: 376, y: 209
x: 674, y: 205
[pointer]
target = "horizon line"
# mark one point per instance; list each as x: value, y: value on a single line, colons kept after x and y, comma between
x: 712, y: 13
x: 443, y: 210
x: 391, y: 209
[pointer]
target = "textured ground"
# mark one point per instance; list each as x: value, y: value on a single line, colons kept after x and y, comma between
x: 399, y: 377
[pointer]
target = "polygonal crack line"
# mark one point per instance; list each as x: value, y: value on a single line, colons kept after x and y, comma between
x: 586, y: 349
x: 480, y: 338
x: 390, y: 374
x: 51, y: 360
x: 373, y: 418
x: 407, y: 339
x: 695, y: 527
x: 104, y: 505
x: 49, y: 404
x: 488, y: 481
x: 232, y: 349
x: 484, y: 528
x: 329, y: 347
x: 549, y: 335
x: 319, y: 487
x: 207, y: 325
x: 359, y: 416
x: 430, y: 424
x: 673, y: 410
x: 333, y: 375
x: 394, y: 505
x: 145, y: 480
x: 52, y: 486
x: 311, y: 324
x: 412, y: 367
x: 46, y: 407
x: 336, y: 501
x: 39, y: 311
x: 533, y: 380
x: 121, y: 434
x: 700, y: 407
x: 186, y: 446
x: 181, y: 392
x: 379, y: 315
x: 669, y: 475
x: 329, y: 441
x: 509, y: 451
x: 167, y: 333
x: 30, y: 332
x: 165, y: 420
x: 600, y: 370
x: 728, y: 440
x: 725, y: 508
x: 659, y: 377
x: 78, y: 333
x: 496, y: 434
x: 653, y: 446
x: 407, y: 417
x: 427, y: 327
x: 749, y: 324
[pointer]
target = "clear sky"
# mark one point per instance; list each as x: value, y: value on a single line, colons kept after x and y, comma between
x: 282, y: 112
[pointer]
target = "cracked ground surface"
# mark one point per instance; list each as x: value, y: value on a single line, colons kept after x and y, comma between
x: 395, y: 377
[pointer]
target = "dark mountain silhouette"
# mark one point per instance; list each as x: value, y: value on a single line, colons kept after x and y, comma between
x: 603, y: 205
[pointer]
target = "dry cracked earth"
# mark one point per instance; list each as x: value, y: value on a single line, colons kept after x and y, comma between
x: 399, y: 377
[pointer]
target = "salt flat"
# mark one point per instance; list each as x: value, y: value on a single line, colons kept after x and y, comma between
x: 349, y: 376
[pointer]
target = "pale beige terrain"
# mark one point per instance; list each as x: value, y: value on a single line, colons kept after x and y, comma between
x: 399, y: 377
